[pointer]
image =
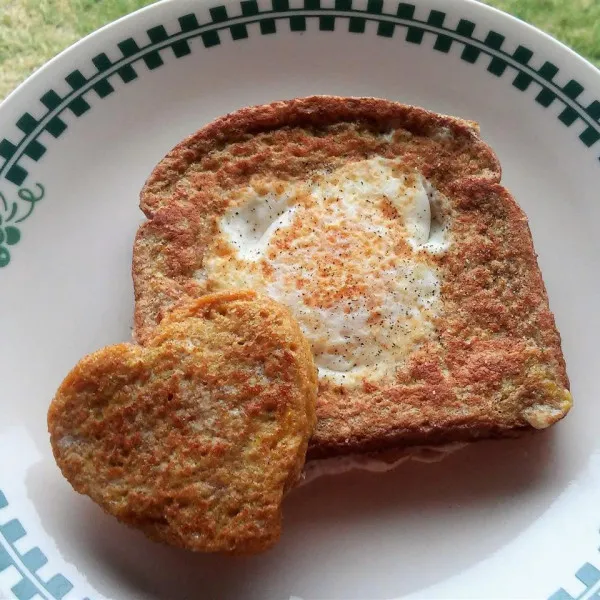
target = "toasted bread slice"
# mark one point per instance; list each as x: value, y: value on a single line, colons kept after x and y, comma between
x: 194, y: 438
x: 385, y: 230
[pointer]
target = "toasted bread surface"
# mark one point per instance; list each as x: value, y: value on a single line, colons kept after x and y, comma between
x: 195, y: 437
x: 487, y: 360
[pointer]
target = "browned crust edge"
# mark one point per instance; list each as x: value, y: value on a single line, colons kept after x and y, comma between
x: 299, y: 112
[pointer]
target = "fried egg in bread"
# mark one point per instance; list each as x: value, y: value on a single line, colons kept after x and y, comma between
x: 385, y: 230
x: 349, y: 251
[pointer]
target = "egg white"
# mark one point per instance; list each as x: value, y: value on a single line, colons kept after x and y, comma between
x: 350, y: 252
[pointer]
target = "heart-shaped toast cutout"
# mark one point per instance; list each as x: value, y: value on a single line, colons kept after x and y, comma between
x: 195, y: 437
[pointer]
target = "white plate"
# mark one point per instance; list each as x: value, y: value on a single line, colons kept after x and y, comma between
x: 509, y: 519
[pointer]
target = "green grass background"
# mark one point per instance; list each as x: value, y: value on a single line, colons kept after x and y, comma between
x: 32, y: 31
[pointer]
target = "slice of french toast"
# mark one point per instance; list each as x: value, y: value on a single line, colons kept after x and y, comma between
x: 385, y: 230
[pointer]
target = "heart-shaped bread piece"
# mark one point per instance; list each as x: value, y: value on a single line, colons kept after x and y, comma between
x: 195, y: 437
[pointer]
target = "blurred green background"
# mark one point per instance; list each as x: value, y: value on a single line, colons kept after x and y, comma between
x: 32, y: 31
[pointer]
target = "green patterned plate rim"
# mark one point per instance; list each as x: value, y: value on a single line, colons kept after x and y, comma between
x: 474, y: 49
x: 483, y: 49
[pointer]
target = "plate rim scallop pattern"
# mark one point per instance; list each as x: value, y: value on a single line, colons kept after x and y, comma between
x: 463, y: 37
x: 444, y: 39
x: 25, y: 565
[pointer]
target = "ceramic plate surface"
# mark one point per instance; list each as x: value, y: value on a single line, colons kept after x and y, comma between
x: 515, y: 519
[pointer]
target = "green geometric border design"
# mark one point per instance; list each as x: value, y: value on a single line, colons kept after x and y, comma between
x: 588, y: 576
x: 343, y: 15
x: 27, y: 564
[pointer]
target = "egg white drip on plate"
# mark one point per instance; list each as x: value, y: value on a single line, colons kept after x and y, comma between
x: 337, y: 465
x: 350, y: 252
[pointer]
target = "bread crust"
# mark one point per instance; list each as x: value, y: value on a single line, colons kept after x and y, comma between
x: 195, y: 437
x: 495, y: 367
